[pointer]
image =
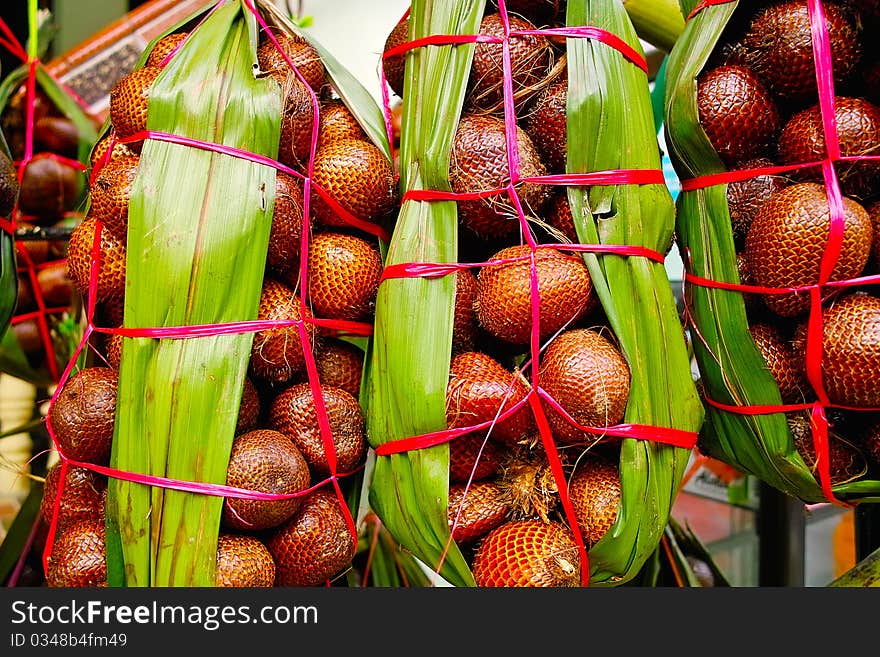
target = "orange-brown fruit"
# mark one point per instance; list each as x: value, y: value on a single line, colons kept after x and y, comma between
x: 589, y: 378
x: 782, y: 363
x: 356, y: 175
x: 9, y: 187
x: 128, y: 103
x: 802, y: 140
x: 479, y: 390
x: 285, y: 236
x: 851, y: 350
x: 479, y: 163
x: 874, y: 212
x: 780, y: 47
x: 248, y: 409
x: 472, y: 457
x: 594, y: 490
x: 753, y: 302
x: 294, y: 414
x: 337, y: 122
x: 464, y: 323
x: 504, y: 306
x: 530, y: 61
x: 113, y: 350
x: 99, y: 157
x: 48, y: 188
x: 277, y: 353
x: 164, y: 47
x: 344, y: 274
x: 871, y: 442
x: 111, y: 192
x: 83, y: 414
x: 745, y: 197
x: 737, y: 113
x: 243, y: 561
x: 55, y: 285
x: 82, y: 496
x: 394, y: 65
x: 315, y: 545
x: 560, y: 219
x: 787, y: 239
x: 297, y: 124
x: 77, y: 557
x: 846, y: 461
x: 527, y: 553
x: 475, y: 510
x: 56, y: 134
x: 546, y: 125
x: 268, y: 462
x: 340, y: 364
x: 111, y: 275
x: 301, y: 54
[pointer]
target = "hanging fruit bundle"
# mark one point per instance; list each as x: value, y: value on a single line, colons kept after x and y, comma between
x: 209, y: 426
x: 49, y: 132
x: 773, y: 125
x: 529, y: 390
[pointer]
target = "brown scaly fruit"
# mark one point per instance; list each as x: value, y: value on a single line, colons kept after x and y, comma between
x: 248, y: 409
x: 266, y: 461
x: 782, y: 363
x: 529, y: 486
x: 300, y: 53
x: 479, y: 163
x: 344, y: 274
x: 475, y: 510
x: 277, y: 353
x: 745, y: 197
x: 474, y: 458
x: 874, y: 212
x: 504, y: 307
x: 464, y: 323
x: 753, y: 302
x: 737, y: 113
x: 48, y: 187
x: 113, y: 351
x: 546, y: 125
x: 787, y: 239
x: 8, y: 185
x: 846, y: 462
x: 111, y: 191
x: 356, y: 175
x: 77, y: 557
x: 285, y: 236
x: 589, y: 378
x: 128, y: 103
x: 594, y: 490
x: 780, y: 47
x: 530, y: 60
x: 560, y: 218
x: 111, y: 275
x: 297, y: 124
x: 82, y: 496
x: 337, y: 122
x: 393, y: 66
x: 527, y: 553
x: 164, y: 47
x: 802, y: 140
x: 99, y: 156
x: 340, y: 364
x: 315, y: 545
x: 479, y: 390
x: 243, y: 562
x: 83, y: 415
x: 294, y: 414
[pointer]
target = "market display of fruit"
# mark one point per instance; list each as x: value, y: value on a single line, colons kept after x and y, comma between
x: 788, y: 365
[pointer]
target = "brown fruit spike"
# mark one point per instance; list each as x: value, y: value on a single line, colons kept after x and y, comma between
x: 287, y: 223
x: 787, y: 240
x: 277, y: 353
x: 344, y: 274
x: 111, y: 192
x: 337, y: 122
x: 394, y: 66
x: 340, y: 364
x: 300, y: 53
x: 851, y: 350
x: 313, y: 546
x: 243, y: 561
x: 268, y: 462
x: 780, y: 47
x: 530, y: 59
x: 128, y: 103
x: 504, y: 307
x: 479, y: 163
x: 293, y: 413
x: 589, y: 378
x: 527, y: 553
x: 475, y: 510
x: 546, y: 125
x: 594, y: 490
x: 164, y: 47
x: 77, y: 557
x: 111, y: 276
x: 480, y: 389
x: 745, y: 197
x: 82, y: 497
x: 464, y: 324
x: 358, y: 177
x: 83, y: 415
x: 781, y: 362
x: 249, y: 409
x: 737, y: 113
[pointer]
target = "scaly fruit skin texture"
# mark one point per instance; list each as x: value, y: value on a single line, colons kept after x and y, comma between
x: 394, y: 66
x: 340, y: 364
x: 111, y: 273
x: 475, y: 510
x: 77, y: 556
x: 527, y: 553
x: 344, y: 275
x: 82, y: 497
x: 243, y: 561
x: 473, y: 458
x: 165, y: 47
x: 83, y: 415
x: 128, y: 103
x: 314, y: 545
x: 781, y: 362
x: 595, y: 495
x: 111, y: 192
